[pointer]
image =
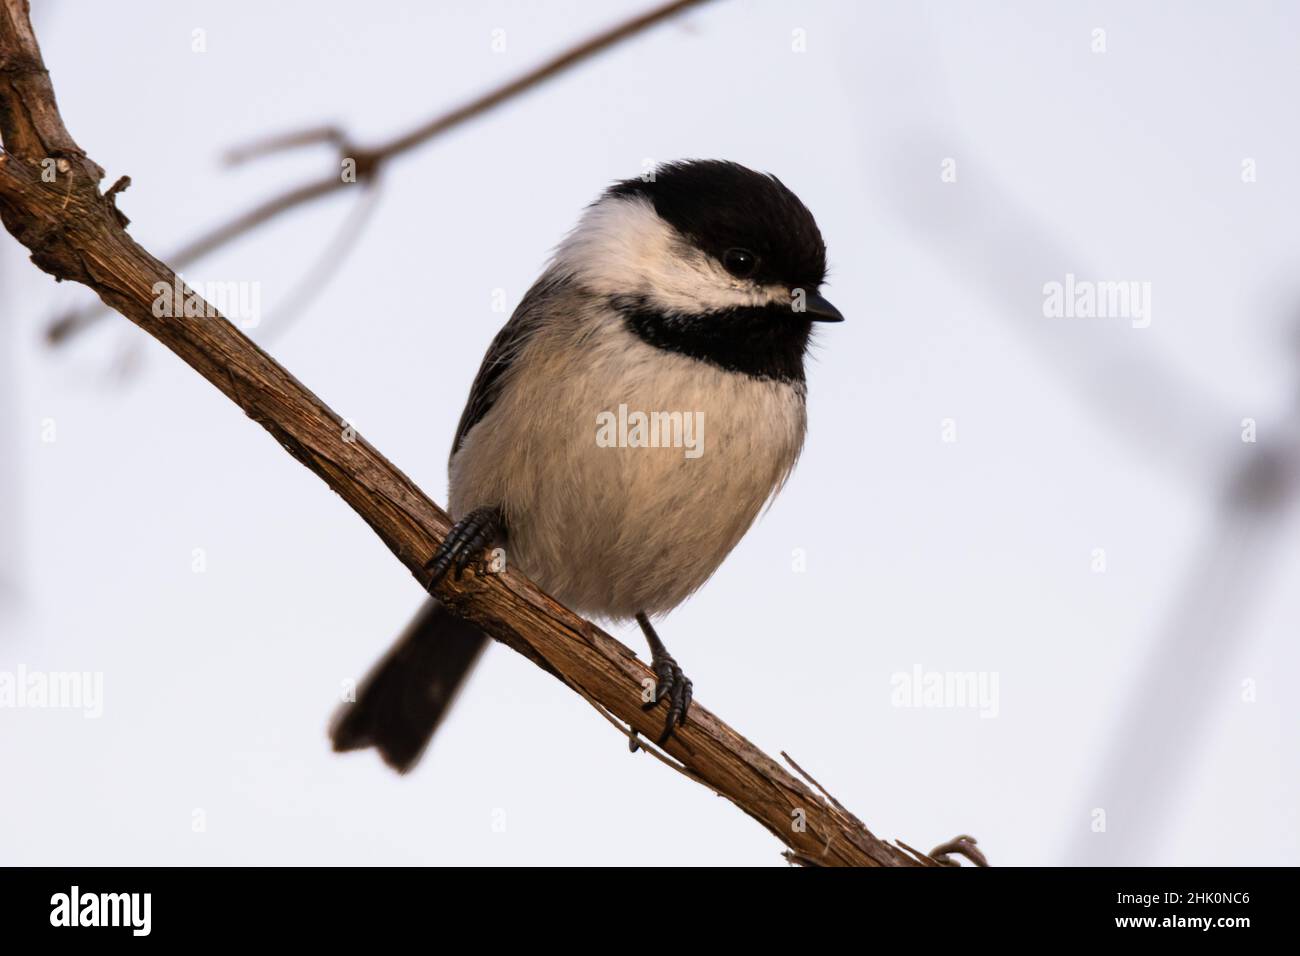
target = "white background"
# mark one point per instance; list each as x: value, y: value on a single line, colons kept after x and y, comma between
x: 1120, y: 691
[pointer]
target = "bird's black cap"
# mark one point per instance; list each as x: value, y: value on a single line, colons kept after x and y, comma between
x: 722, y: 206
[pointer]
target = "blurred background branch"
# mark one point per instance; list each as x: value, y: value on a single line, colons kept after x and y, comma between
x: 367, y: 162
x: 1003, y: 251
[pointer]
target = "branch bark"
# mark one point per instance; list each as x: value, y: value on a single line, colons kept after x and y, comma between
x: 74, y: 232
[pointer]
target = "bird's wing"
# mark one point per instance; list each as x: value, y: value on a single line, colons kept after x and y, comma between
x: 501, y: 354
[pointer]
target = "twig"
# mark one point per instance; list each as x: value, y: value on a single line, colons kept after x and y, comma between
x: 86, y: 243
x: 965, y: 845
x: 369, y: 161
x: 809, y: 777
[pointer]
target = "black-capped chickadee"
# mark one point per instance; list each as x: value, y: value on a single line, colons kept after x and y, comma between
x: 627, y: 425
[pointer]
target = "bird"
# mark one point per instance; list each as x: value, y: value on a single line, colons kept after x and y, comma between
x: 630, y: 421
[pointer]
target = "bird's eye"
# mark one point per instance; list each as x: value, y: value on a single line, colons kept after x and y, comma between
x: 741, y: 263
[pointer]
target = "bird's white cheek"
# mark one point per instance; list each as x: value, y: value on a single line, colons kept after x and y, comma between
x: 621, y: 247
x: 691, y: 282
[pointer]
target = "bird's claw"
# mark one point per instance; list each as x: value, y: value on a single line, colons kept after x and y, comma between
x: 468, y: 537
x: 672, y: 684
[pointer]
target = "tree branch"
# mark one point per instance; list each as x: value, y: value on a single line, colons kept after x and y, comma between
x: 369, y: 161
x: 74, y: 232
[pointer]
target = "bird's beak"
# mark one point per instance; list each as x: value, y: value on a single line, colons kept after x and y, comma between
x: 818, y: 309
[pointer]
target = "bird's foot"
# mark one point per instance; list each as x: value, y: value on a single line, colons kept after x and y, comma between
x: 675, y: 687
x: 468, y: 537
x: 670, y: 683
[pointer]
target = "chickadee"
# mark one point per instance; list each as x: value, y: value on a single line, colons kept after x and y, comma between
x: 683, y: 299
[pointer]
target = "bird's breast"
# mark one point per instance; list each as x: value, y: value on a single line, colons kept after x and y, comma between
x: 626, y: 473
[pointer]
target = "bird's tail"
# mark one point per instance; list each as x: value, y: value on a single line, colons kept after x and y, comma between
x: 403, y: 699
